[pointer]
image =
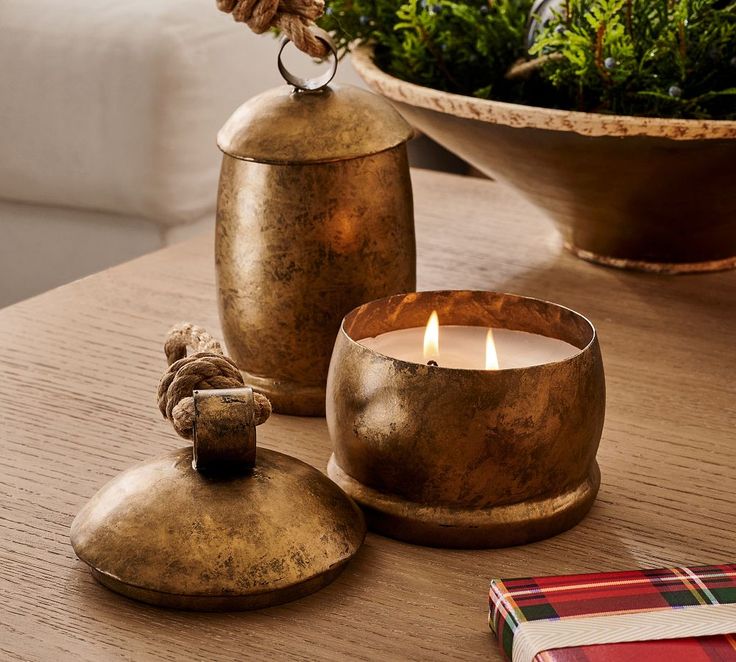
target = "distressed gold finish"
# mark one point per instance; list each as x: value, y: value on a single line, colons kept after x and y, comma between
x: 466, y: 458
x: 228, y: 537
x: 286, y: 127
x: 314, y: 217
x: 224, y: 430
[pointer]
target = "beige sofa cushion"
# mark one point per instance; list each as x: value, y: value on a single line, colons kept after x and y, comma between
x: 115, y: 105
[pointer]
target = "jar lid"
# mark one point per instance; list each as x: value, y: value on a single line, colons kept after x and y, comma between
x: 218, y: 526
x: 336, y: 123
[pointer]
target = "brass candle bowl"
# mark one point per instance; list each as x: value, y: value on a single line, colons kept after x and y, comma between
x: 466, y: 458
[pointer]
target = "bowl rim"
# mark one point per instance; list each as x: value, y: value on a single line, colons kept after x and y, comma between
x: 492, y: 374
x: 533, y: 117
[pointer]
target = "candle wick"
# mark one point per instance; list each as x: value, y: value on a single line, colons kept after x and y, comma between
x: 433, y: 363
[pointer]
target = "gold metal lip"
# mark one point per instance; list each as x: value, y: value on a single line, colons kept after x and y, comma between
x: 581, y: 350
x: 336, y: 159
x: 212, y: 602
x: 167, y: 596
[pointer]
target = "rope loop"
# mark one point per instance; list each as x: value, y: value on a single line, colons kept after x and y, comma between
x: 206, y: 369
x: 294, y: 18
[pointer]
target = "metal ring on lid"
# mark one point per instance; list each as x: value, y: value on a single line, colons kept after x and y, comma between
x: 310, y: 84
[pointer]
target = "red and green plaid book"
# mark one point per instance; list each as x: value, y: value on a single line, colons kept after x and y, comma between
x: 672, y: 614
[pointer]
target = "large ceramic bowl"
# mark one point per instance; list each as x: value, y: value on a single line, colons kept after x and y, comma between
x: 646, y: 193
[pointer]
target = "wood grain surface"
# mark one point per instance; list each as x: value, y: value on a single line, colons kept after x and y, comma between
x: 79, y: 368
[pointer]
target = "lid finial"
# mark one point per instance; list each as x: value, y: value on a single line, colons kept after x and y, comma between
x: 206, y: 400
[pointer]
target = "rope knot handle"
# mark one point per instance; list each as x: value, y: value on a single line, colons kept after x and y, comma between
x: 295, y: 18
x: 207, y: 368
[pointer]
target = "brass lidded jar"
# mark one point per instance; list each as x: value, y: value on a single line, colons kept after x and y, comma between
x: 314, y: 217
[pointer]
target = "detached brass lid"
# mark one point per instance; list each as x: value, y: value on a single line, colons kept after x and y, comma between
x: 166, y: 534
x: 221, y: 525
x: 287, y: 126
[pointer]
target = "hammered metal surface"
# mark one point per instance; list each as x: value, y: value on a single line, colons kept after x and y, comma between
x: 299, y: 246
x: 288, y: 127
x: 466, y: 457
x: 224, y: 432
x: 164, y: 533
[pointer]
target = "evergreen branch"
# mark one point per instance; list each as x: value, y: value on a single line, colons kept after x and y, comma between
x: 669, y: 58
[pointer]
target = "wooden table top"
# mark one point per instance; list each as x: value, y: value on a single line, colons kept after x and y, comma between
x: 80, y: 366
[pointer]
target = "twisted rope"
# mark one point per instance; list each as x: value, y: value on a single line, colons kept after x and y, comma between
x: 188, y: 335
x: 205, y: 369
x: 292, y: 17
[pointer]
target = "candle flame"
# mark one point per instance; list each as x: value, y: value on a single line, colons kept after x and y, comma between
x: 432, y: 338
x: 491, y: 355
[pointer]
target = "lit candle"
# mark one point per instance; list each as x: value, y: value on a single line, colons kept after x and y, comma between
x: 469, y: 347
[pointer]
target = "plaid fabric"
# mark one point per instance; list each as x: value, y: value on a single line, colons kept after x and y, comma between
x: 514, y: 601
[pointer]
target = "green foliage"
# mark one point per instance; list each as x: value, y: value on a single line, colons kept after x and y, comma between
x: 462, y: 47
x: 671, y: 58
x: 668, y: 58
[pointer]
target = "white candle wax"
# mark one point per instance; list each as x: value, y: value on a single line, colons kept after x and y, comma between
x: 465, y: 347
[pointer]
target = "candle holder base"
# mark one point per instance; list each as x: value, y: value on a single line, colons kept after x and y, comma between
x: 470, y: 528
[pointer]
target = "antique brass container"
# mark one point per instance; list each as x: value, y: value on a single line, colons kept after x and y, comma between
x: 220, y: 526
x: 466, y: 458
x: 314, y: 217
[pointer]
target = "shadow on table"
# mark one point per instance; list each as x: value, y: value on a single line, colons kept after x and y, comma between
x: 610, y: 292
